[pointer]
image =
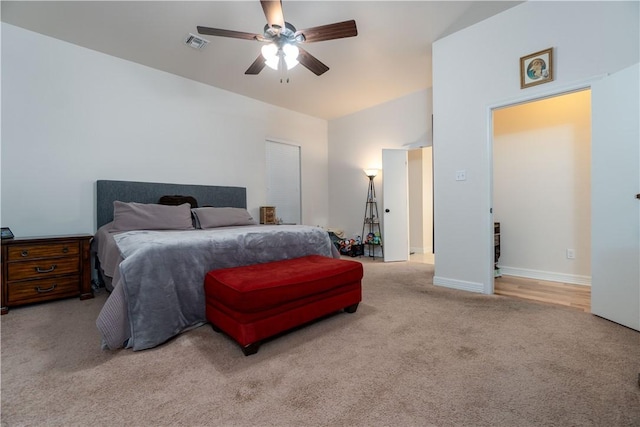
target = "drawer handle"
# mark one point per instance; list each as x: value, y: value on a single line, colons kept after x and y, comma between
x: 25, y: 253
x: 48, y: 270
x: 65, y: 250
x: 43, y: 291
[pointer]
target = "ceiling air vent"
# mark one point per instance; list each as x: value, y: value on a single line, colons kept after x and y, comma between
x: 195, y: 41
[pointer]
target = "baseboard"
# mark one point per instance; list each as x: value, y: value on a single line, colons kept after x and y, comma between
x: 573, y: 279
x: 458, y: 284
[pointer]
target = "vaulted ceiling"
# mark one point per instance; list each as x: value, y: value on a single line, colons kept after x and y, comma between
x: 390, y: 57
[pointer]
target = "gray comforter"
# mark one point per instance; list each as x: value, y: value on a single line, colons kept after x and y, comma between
x: 159, y: 291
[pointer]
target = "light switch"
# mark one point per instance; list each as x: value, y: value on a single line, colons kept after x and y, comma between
x: 461, y: 175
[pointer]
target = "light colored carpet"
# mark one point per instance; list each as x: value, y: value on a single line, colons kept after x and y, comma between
x: 412, y: 355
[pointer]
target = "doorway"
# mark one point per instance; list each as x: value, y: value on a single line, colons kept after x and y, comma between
x: 542, y: 188
x: 283, y: 181
x: 420, y: 170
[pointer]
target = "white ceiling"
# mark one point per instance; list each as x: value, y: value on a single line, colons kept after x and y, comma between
x: 390, y: 57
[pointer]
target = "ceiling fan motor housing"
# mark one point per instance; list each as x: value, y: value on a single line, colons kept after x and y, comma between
x: 282, y: 35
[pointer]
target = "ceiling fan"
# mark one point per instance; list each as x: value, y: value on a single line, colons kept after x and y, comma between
x: 281, y: 50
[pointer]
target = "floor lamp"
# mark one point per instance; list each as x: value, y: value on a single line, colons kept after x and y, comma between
x: 371, y: 223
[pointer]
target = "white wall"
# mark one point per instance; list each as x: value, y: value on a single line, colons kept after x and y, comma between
x: 72, y: 116
x: 542, y: 187
x: 479, y: 67
x: 356, y: 142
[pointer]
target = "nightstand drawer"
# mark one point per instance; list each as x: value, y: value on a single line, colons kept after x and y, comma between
x: 42, y: 268
x: 27, y: 252
x: 40, y: 290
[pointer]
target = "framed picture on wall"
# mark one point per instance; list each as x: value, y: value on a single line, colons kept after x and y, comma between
x: 536, y: 68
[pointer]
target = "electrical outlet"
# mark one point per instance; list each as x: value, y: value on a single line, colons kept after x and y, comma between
x: 571, y: 254
x: 461, y: 175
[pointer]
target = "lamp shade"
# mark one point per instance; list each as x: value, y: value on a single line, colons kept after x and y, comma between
x: 270, y: 54
x: 273, y: 55
x: 291, y: 53
x: 371, y: 172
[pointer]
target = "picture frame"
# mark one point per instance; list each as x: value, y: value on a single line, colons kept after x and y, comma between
x: 536, y: 68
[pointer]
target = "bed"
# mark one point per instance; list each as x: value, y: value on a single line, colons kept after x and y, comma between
x: 153, y: 258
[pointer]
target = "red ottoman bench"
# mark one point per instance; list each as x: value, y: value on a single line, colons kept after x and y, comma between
x: 254, y: 302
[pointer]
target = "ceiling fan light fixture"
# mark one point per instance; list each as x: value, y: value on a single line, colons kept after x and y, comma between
x: 270, y: 55
x: 291, y: 53
x: 274, y: 56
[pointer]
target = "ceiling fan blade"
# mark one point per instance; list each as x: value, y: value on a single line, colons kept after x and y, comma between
x: 257, y: 66
x: 311, y: 62
x: 228, y: 33
x: 338, y: 30
x: 273, y: 12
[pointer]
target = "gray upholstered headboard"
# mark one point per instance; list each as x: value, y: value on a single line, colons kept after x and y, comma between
x: 149, y: 192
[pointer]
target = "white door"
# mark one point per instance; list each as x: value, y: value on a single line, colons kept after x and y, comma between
x: 395, y: 189
x: 615, y: 210
x: 283, y: 181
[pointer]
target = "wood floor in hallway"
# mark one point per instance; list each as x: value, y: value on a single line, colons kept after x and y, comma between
x: 566, y: 294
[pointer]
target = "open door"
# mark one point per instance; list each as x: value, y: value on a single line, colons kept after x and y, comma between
x: 615, y: 210
x: 395, y: 193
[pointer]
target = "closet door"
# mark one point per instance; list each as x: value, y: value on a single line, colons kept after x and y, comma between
x: 615, y: 210
x: 283, y: 181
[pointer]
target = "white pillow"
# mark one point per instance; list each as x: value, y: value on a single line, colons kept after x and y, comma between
x: 149, y: 216
x: 209, y: 217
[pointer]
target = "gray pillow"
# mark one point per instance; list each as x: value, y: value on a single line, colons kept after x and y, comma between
x: 149, y: 216
x: 209, y: 217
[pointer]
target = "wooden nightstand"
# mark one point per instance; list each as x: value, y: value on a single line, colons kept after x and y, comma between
x: 36, y: 269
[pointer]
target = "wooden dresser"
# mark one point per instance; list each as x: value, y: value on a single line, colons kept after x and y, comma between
x: 37, y: 269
